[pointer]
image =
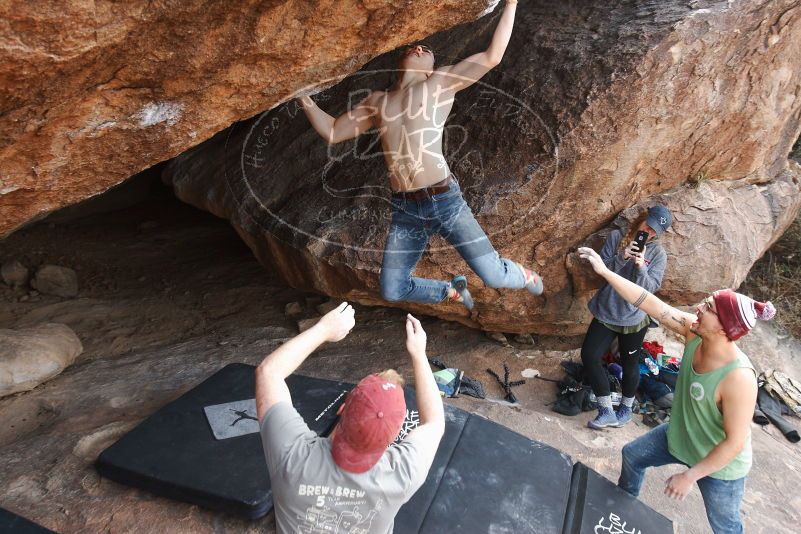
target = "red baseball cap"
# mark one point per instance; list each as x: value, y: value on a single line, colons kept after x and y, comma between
x: 371, y: 419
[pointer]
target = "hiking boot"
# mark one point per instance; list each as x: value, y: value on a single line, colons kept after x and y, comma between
x: 533, y: 281
x: 462, y: 295
x: 606, y: 418
x: 623, y: 415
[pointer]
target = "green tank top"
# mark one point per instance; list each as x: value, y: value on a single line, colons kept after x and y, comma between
x: 696, y: 424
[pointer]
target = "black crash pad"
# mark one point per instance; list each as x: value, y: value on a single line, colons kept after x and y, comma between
x: 598, y: 505
x: 497, y: 480
x: 411, y: 515
x: 12, y: 523
x: 173, y: 452
x: 485, y: 477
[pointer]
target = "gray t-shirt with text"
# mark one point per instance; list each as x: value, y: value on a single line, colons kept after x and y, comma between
x: 311, y: 494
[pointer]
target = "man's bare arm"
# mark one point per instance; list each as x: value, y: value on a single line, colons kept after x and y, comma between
x: 738, y: 397
x: 429, y: 402
x: 349, y: 125
x: 271, y: 374
x: 467, y: 72
x: 667, y: 315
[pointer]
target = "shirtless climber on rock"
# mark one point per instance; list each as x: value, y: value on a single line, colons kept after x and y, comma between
x: 426, y: 197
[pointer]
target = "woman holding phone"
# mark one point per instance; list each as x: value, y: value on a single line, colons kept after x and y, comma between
x: 637, y: 256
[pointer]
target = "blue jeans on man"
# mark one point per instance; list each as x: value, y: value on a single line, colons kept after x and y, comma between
x: 446, y: 214
x: 722, y: 498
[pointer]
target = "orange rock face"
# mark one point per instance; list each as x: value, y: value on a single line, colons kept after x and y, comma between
x: 92, y: 93
x: 594, y: 110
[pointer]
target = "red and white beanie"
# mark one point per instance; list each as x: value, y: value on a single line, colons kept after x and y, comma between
x: 738, y: 313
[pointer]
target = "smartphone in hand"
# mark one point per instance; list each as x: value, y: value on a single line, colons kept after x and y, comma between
x: 640, y: 239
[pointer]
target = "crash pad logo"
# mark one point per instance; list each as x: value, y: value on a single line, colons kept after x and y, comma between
x: 697, y: 391
x: 614, y: 525
x: 232, y: 419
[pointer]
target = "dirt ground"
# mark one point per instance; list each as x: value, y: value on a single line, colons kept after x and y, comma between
x: 168, y: 295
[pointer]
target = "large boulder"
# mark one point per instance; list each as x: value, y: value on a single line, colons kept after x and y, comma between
x: 94, y: 92
x: 596, y: 109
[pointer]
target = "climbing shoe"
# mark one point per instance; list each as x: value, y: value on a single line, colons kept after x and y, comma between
x: 533, y: 281
x: 462, y: 295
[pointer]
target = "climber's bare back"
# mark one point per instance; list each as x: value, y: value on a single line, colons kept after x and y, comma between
x: 410, y: 123
x: 411, y: 116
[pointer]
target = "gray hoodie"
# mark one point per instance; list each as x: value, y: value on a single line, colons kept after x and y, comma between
x: 607, y: 306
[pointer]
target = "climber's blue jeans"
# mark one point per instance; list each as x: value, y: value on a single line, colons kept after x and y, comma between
x: 722, y: 498
x: 446, y: 214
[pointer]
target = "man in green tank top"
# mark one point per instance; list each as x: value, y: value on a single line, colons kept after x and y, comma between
x: 710, y: 427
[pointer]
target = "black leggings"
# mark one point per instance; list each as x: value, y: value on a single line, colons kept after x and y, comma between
x: 596, y: 344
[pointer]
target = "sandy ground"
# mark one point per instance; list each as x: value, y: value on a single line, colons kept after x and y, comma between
x: 169, y: 295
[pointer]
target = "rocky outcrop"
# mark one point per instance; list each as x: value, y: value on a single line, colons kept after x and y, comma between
x: 30, y: 356
x: 720, y: 229
x: 594, y: 109
x: 92, y: 93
